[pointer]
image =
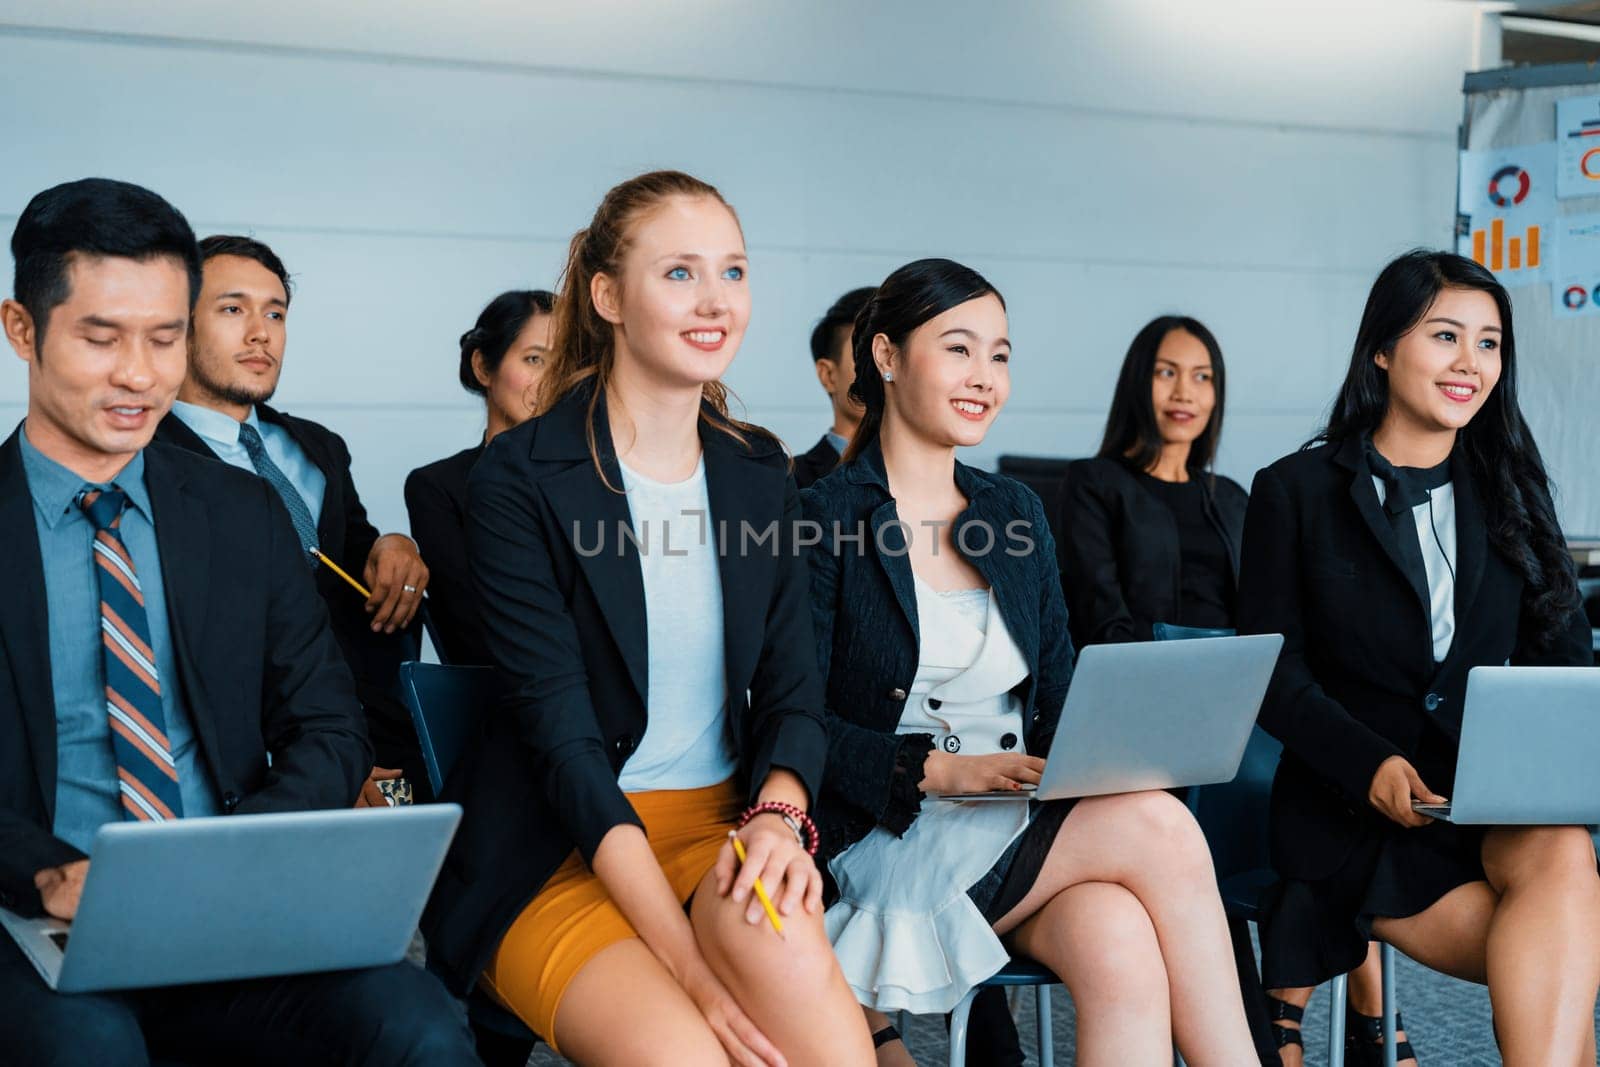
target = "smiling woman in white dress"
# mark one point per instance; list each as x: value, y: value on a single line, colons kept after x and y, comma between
x: 942, y: 631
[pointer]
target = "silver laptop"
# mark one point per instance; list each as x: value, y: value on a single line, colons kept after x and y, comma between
x: 1154, y: 715
x: 1530, y: 749
x: 243, y: 896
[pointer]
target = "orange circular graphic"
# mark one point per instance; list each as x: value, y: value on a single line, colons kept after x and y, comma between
x: 1589, y: 165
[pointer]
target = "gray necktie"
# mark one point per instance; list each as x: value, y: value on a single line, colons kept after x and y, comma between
x: 299, y: 514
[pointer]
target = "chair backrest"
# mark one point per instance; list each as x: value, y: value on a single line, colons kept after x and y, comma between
x: 447, y: 707
x: 1042, y: 474
x: 1233, y: 815
x: 1589, y: 590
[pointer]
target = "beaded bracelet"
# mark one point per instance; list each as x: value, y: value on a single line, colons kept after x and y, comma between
x: 805, y: 831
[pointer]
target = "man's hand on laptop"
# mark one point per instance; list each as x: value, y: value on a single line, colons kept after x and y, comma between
x: 1393, y: 789
x: 944, y: 773
x: 61, y: 887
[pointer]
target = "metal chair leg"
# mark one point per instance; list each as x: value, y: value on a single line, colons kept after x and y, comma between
x: 1390, y: 1037
x: 958, y: 1029
x: 1047, y: 1032
x: 1336, y: 1000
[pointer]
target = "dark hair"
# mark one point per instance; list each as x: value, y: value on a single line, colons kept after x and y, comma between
x: 497, y: 328
x: 1132, y: 435
x: 907, y: 298
x: 223, y: 244
x: 93, y: 217
x: 1497, y: 443
x: 825, y: 335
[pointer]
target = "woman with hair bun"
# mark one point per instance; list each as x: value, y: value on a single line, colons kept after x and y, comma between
x: 662, y: 695
x: 502, y: 359
x: 942, y: 635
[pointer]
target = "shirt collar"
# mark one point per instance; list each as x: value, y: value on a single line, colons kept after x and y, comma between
x: 839, y: 441
x: 54, y: 487
x: 213, y: 425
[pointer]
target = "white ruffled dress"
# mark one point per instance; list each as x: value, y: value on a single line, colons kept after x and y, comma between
x: 904, y: 929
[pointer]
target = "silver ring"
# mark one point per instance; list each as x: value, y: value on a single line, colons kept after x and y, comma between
x: 409, y: 588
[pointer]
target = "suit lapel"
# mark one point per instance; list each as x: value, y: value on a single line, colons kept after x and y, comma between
x: 183, y: 537
x: 744, y: 495
x: 592, y: 517
x: 24, y: 620
x: 1365, y: 496
x: 1472, y: 536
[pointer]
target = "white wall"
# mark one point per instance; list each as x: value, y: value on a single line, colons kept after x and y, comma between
x: 1252, y: 163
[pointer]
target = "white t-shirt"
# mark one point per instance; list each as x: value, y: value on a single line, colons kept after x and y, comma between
x: 687, y: 741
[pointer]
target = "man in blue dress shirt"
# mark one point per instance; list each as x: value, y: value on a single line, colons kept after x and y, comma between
x: 236, y: 350
x: 163, y: 654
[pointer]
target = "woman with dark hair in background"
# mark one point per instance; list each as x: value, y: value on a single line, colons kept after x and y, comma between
x: 943, y: 638
x: 502, y: 359
x: 1154, y: 531
x: 1415, y: 539
x: 1155, y: 536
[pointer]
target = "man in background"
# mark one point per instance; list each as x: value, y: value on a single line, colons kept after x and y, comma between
x: 836, y: 368
x: 236, y: 350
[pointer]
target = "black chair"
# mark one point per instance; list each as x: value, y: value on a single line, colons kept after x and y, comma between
x: 1044, y: 475
x: 1021, y: 971
x: 447, y: 706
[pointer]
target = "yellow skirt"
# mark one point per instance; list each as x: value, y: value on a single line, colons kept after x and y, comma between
x: 573, y: 918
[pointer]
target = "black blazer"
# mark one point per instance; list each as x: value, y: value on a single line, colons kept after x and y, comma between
x: 1119, y: 550
x: 809, y: 466
x: 260, y: 672
x: 566, y: 630
x: 864, y: 610
x: 1356, y: 682
x: 436, y: 501
x: 345, y: 536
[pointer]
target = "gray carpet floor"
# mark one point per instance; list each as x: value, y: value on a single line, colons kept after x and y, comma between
x: 1447, y: 1021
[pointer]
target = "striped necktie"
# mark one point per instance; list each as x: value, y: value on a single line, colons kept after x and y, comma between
x: 146, y: 773
x: 299, y: 513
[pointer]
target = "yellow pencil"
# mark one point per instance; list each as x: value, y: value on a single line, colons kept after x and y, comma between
x: 761, y: 890
x: 340, y: 572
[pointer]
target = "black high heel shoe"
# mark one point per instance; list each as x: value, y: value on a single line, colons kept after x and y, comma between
x: 1282, y: 1011
x: 1363, y: 1040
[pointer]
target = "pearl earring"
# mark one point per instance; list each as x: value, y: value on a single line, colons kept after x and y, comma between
x: 888, y: 376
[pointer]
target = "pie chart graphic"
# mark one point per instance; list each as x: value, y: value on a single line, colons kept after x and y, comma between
x: 1509, y: 186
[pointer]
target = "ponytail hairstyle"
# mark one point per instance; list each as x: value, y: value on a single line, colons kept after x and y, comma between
x: 1499, y: 448
x: 496, y: 331
x: 582, y: 343
x: 907, y: 298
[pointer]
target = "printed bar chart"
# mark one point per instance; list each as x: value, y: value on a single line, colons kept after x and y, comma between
x: 1493, y: 249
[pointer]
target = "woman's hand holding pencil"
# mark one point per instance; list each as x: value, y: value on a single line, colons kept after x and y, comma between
x: 773, y: 861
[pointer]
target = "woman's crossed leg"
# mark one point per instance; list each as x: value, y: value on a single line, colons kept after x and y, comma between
x: 1139, y: 983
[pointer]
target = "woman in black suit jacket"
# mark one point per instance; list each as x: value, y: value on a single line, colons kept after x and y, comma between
x: 1416, y: 541
x: 502, y: 359
x: 1155, y: 532
x: 1116, y: 894
x: 593, y: 884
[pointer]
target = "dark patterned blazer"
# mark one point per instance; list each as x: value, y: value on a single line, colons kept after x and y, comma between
x: 864, y: 610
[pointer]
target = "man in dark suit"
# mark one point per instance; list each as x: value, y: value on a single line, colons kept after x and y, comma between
x: 832, y: 356
x: 163, y: 653
x: 235, y: 356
